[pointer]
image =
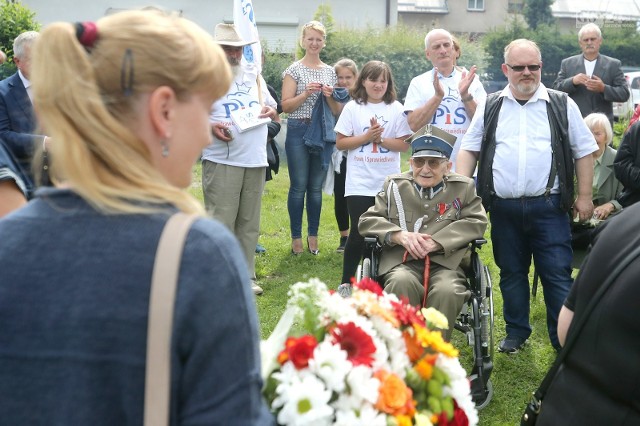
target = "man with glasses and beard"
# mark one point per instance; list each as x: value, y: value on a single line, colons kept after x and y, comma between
x: 234, y: 164
x: 426, y: 219
x: 529, y: 140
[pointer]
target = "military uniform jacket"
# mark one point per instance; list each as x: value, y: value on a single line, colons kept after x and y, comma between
x: 453, y: 217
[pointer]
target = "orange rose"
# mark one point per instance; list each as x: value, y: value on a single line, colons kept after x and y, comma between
x: 424, y: 368
x: 414, y: 349
x: 394, y: 397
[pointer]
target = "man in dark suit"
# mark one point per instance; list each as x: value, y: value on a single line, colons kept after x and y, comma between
x: 592, y: 80
x: 17, y: 119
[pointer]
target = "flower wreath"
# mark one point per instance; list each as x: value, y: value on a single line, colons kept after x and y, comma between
x: 370, y: 359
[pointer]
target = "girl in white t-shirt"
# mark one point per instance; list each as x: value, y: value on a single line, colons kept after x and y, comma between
x: 347, y: 72
x: 372, y: 127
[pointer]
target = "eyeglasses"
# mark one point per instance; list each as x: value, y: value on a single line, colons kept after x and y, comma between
x: 520, y: 68
x: 433, y: 163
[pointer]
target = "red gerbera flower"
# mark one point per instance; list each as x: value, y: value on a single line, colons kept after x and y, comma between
x: 459, y: 416
x: 370, y: 285
x: 298, y: 351
x: 407, y: 314
x: 356, y: 342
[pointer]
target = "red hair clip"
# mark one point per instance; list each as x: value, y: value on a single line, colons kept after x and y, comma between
x: 87, y: 33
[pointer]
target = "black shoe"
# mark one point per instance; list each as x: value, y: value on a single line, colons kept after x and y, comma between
x: 343, y: 243
x: 511, y: 345
x: 312, y: 251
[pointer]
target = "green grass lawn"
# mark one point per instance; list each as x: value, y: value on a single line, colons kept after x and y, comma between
x: 514, y: 376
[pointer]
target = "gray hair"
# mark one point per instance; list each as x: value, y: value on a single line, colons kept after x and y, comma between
x: 434, y: 31
x: 521, y: 42
x: 598, y: 119
x: 24, y: 40
x: 587, y: 28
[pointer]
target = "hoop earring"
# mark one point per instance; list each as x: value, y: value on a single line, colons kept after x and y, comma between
x: 165, y: 148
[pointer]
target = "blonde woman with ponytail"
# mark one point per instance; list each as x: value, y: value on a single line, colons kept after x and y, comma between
x: 126, y: 102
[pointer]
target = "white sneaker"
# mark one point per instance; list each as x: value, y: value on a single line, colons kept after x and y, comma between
x: 257, y: 290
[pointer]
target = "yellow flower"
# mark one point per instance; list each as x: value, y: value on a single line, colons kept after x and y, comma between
x: 403, y: 420
x: 435, y: 318
x: 434, y: 340
x: 443, y: 347
x: 422, y: 420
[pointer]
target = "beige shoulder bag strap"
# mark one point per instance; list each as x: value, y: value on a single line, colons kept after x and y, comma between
x: 157, y: 386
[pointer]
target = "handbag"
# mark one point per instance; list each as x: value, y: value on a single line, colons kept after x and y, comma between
x: 530, y: 415
x: 164, y: 280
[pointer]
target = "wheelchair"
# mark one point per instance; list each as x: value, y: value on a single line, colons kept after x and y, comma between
x: 475, y: 319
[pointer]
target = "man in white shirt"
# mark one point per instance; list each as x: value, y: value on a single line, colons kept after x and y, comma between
x: 593, y: 80
x: 528, y: 140
x: 234, y: 165
x: 446, y: 96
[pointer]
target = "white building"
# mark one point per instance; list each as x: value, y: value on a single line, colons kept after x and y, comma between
x: 278, y: 20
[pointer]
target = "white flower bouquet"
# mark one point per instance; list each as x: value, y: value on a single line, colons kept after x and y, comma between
x: 366, y: 360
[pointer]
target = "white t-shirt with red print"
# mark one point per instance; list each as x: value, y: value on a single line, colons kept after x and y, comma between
x: 369, y: 164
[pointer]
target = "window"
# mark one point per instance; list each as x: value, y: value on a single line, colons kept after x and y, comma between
x: 475, y: 5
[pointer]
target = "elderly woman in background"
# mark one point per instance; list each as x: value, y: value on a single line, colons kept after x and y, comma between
x: 606, y: 187
x: 130, y: 97
x: 303, y: 83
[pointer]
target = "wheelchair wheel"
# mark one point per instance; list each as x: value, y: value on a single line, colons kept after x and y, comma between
x: 486, y: 308
x: 481, y: 402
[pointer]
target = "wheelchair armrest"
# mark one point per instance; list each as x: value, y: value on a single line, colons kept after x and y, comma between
x: 478, y: 242
x: 370, y: 240
x: 372, y: 244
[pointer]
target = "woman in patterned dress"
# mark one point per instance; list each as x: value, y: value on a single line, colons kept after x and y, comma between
x: 303, y: 82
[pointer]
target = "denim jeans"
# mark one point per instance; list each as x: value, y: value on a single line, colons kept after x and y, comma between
x: 306, y: 177
x: 531, y: 226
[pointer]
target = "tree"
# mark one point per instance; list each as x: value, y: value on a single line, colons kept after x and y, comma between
x: 538, y: 12
x: 323, y: 15
x: 15, y: 19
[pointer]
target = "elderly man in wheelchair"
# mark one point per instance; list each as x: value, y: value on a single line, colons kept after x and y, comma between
x: 425, y: 220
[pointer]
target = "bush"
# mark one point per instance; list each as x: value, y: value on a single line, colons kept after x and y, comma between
x: 400, y: 46
x: 276, y: 60
x: 15, y: 19
x: 554, y: 46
